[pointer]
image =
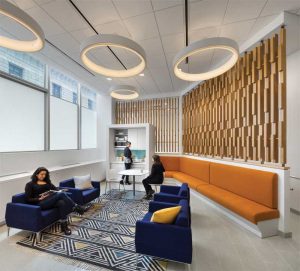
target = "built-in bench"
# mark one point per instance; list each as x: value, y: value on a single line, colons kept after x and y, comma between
x: 248, y: 194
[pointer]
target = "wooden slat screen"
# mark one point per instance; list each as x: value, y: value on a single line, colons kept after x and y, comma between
x: 162, y: 113
x: 241, y: 114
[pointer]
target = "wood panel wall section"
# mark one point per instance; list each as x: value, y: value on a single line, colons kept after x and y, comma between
x: 162, y: 113
x: 241, y: 114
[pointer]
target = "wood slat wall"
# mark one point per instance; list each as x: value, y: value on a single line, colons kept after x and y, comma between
x: 242, y: 113
x: 162, y: 113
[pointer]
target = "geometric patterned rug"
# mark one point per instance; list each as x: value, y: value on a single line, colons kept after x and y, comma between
x: 102, y: 237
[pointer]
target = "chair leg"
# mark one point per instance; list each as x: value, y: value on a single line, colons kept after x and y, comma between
x: 105, y: 186
x: 155, y: 188
x: 38, y: 237
x: 8, y: 231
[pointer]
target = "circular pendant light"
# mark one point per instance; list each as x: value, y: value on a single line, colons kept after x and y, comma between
x: 19, y: 16
x: 113, y: 41
x: 202, y: 46
x: 123, y: 92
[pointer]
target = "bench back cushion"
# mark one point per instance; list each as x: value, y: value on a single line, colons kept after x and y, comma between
x: 196, y: 168
x: 170, y: 163
x: 256, y: 185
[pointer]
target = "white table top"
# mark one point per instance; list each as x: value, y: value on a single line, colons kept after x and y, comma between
x: 135, y: 172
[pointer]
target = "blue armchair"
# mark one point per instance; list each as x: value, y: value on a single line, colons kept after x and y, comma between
x: 80, y: 196
x: 167, y: 241
x: 24, y: 216
x: 173, y: 194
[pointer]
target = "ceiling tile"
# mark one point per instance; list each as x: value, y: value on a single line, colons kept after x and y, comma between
x: 98, y: 12
x: 173, y: 43
x: 25, y: 4
x: 116, y: 27
x: 130, y: 8
x: 207, y: 13
x: 65, y: 14
x: 82, y: 34
x: 159, y: 4
x: 241, y: 10
x: 152, y: 46
x: 65, y: 42
x: 203, y: 33
x: 50, y: 26
x: 276, y: 6
x: 237, y: 31
x: 142, y: 27
x: 171, y: 20
x: 260, y: 23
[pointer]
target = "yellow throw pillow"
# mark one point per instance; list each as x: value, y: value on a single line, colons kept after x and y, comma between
x: 166, y: 216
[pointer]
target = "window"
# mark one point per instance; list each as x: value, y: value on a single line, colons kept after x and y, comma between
x: 88, y: 118
x: 63, y: 111
x: 21, y: 118
x: 22, y: 65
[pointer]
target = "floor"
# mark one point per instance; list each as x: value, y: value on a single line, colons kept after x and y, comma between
x: 219, y: 244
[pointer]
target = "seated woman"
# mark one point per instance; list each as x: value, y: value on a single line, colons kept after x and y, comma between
x: 35, y: 194
x: 156, y: 176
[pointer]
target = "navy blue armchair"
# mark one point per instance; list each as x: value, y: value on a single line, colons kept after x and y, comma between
x: 167, y: 241
x: 81, y: 196
x: 173, y: 194
x: 24, y: 216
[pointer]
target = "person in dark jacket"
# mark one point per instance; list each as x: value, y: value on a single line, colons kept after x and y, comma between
x: 38, y: 192
x: 156, y: 176
x: 127, y: 162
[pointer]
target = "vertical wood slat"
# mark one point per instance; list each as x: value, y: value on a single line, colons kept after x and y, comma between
x: 162, y: 113
x: 241, y: 114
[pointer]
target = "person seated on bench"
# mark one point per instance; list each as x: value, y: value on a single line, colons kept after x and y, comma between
x: 38, y: 191
x: 156, y: 176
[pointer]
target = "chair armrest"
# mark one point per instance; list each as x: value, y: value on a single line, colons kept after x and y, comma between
x: 96, y: 184
x: 24, y: 216
x: 66, y: 184
x: 155, y: 206
x: 170, y: 189
x: 167, y: 198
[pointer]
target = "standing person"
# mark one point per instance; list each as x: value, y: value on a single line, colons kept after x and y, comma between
x: 127, y: 161
x: 156, y: 176
x: 36, y: 193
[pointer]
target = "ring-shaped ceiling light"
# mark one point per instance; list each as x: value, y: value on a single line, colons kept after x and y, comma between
x: 202, y: 46
x: 124, y: 92
x: 26, y: 21
x: 113, y: 41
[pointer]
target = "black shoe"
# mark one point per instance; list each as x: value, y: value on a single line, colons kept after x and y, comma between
x: 79, y: 209
x: 128, y: 183
x: 65, y: 229
x: 121, y: 182
x: 151, y: 192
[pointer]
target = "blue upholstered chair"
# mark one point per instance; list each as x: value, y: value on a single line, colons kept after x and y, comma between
x: 173, y: 194
x: 24, y: 216
x: 81, y: 196
x: 167, y: 241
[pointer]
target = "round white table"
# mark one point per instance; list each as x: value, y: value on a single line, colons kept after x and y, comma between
x: 133, y: 173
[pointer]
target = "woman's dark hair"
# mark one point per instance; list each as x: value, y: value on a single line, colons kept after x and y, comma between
x: 37, y: 172
x: 156, y: 159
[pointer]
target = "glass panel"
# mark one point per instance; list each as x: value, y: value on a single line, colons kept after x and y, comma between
x: 22, y: 65
x: 88, y: 98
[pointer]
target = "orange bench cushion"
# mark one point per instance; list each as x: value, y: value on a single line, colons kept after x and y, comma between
x: 170, y: 163
x: 196, y: 168
x: 169, y: 174
x: 248, y: 209
x: 256, y: 185
x: 190, y: 180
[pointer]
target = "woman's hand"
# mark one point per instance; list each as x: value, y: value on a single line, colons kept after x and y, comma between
x: 43, y: 197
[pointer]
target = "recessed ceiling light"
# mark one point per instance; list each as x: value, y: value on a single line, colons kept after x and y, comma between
x: 108, y: 78
x: 112, y: 41
x: 22, y: 18
x: 141, y: 74
x: 200, y: 46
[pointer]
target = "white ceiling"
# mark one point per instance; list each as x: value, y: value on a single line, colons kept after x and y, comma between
x: 157, y: 25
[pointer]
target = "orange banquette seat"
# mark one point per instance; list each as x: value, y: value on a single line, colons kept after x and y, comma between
x: 250, y: 193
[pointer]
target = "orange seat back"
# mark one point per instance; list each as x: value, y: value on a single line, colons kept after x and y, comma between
x: 170, y: 163
x: 196, y: 168
x: 259, y: 186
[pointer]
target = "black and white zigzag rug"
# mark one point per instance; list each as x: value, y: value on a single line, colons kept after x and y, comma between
x: 102, y: 237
